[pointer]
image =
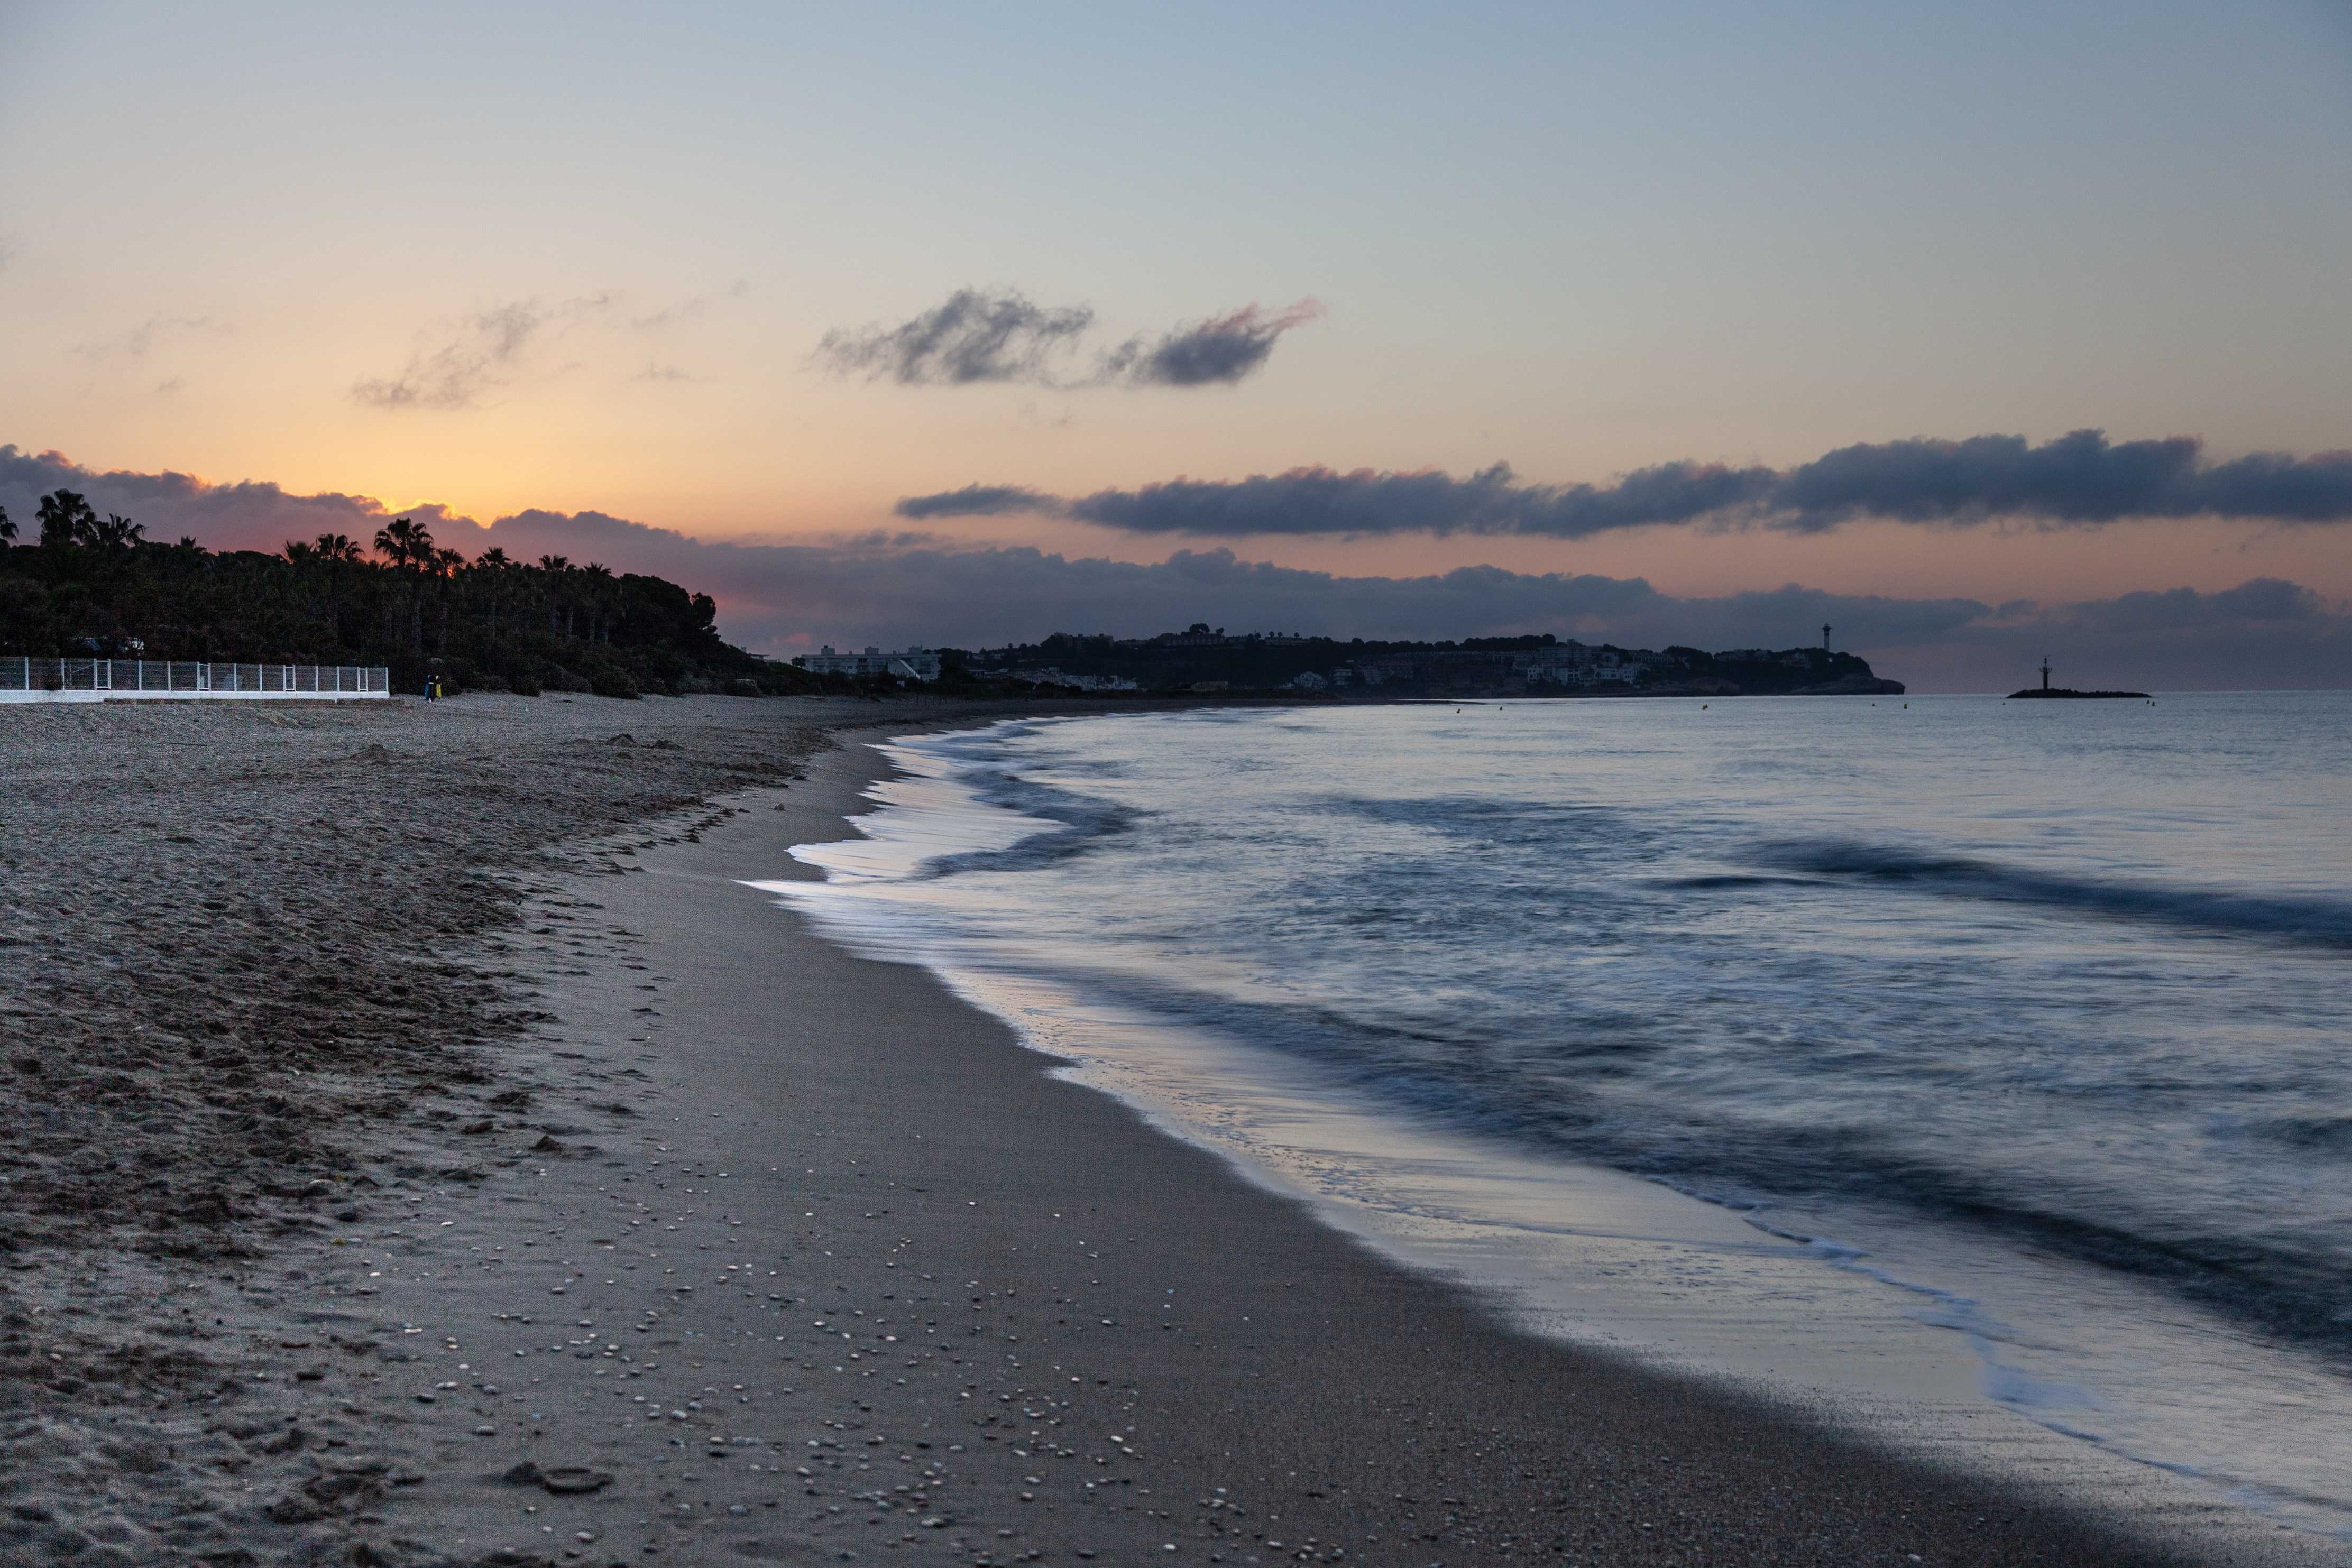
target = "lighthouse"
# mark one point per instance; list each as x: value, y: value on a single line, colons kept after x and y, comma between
x: 2045, y: 672
x: 1825, y: 636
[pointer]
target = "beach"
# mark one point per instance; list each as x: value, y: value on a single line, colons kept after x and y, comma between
x: 424, y: 1148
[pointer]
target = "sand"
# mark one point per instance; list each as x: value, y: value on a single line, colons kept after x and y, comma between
x: 421, y: 1147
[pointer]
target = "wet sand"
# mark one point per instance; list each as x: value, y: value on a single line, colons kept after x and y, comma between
x: 439, y: 1156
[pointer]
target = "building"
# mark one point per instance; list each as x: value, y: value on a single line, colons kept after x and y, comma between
x: 1576, y: 665
x: 1051, y: 676
x: 912, y: 665
x: 1561, y: 672
x: 1308, y: 681
x: 27, y: 680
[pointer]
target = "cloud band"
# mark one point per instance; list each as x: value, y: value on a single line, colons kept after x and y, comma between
x: 2078, y: 480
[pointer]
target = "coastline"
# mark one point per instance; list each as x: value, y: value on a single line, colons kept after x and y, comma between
x: 755, y: 1104
x: 2020, y: 1363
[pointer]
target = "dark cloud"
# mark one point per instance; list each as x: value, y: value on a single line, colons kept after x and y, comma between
x: 1218, y: 352
x: 248, y: 515
x: 897, y: 588
x: 974, y: 337
x: 459, y: 369
x: 2080, y: 480
x: 979, y: 336
x: 1491, y: 501
x: 1369, y: 501
x: 2181, y: 611
x: 978, y: 501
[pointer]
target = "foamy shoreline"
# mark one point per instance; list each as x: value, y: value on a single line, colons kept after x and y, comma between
x: 261, y: 1376
x: 1946, y: 1347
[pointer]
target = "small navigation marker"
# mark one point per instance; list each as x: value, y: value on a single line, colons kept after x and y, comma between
x: 2047, y: 690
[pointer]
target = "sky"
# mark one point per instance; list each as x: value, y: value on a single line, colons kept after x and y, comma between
x: 959, y: 325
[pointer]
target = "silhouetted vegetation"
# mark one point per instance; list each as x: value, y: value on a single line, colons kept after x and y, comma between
x: 95, y: 586
x: 1202, y: 658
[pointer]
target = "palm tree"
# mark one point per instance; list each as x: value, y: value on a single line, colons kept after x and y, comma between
x: 405, y: 544
x: 442, y: 566
x: 66, y: 518
x: 600, y: 580
x: 492, y: 566
x: 557, y: 567
x: 7, y: 530
x: 117, y: 532
x: 409, y: 547
x: 339, y: 553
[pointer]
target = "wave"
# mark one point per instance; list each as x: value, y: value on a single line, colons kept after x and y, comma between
x: 1503, y: 961
x: 1073, y: 825
x: 2321, y: 922
x: 1587, y: 1089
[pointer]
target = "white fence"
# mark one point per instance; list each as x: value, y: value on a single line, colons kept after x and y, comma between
x: 25, y: 680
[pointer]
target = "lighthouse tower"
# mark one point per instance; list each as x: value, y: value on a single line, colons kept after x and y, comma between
x: 2045, y: 672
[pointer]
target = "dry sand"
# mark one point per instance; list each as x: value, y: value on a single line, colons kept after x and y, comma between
x: 422, y: 1149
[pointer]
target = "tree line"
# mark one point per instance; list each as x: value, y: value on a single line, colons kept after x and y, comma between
x: 96, y: 586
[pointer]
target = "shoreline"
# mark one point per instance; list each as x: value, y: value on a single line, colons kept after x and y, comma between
x: 1944, y: 1347
x: 691, y: 1165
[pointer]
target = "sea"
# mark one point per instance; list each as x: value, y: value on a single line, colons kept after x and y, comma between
x: 1975, y: 1069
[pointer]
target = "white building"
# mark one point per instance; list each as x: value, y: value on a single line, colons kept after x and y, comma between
x: 28, y: 680
x: 1589, y: 671
x: 912, y: 665
x: 1051, y: 676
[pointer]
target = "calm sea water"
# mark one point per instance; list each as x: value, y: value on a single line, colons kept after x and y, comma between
x: 2064, y: 980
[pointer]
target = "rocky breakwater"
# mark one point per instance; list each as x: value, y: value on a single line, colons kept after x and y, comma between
x: 2063, y: 692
